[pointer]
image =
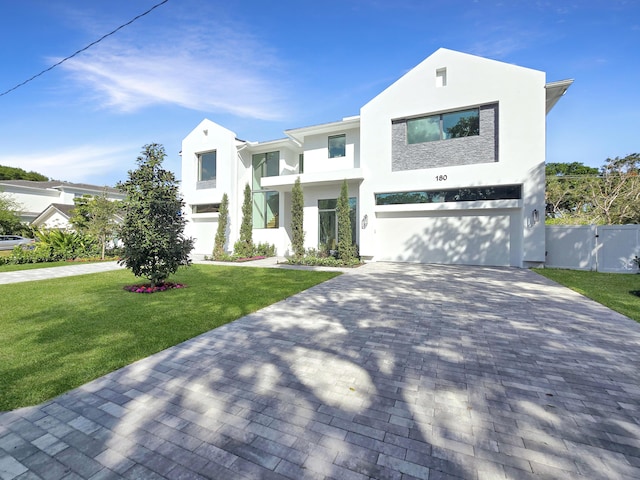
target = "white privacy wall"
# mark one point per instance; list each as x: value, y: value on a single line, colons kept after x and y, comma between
x: 605, y: 248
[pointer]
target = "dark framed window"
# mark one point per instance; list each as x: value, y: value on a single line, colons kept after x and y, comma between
x: 206, y: 208
x: 337, y: 146
x: 463, y: 123
x: 266, y: 203
x: 301, y: 163
x: 266, y: 209
x: 470, y: 194
x: 328, y: 222
x: 207, y: 166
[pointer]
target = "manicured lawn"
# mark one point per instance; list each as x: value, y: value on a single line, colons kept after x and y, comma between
x: 613, y: 290
x: 61, y: 333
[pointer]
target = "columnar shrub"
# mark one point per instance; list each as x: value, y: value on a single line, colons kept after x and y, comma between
x: 244, y: 246
x: 346, y: 250
x: 297, y: 219
x: 221, y: 234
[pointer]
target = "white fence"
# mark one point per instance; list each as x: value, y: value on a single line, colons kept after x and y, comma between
x: 604, y: 248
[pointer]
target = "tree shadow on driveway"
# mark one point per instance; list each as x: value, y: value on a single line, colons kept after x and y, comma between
x: 392, y: 371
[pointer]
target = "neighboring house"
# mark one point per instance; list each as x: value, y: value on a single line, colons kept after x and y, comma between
x: 444, y: 166
x: 48, y: 204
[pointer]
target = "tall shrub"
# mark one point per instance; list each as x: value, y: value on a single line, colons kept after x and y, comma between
x: 152, y: 231
x: 346, y: 251
x: 221, y: 233
x: 244, y: 246
x: 297, y: 219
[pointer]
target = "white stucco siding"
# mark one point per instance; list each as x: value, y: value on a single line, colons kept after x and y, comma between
x: 471, y: 81
x: 316, y: 152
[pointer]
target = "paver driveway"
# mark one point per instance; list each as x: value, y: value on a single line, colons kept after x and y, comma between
x: 391, y: 371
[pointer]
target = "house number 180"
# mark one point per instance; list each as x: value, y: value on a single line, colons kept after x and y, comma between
x: 441, y: 178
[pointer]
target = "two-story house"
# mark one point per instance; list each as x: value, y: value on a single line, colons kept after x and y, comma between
x: 444, y: 166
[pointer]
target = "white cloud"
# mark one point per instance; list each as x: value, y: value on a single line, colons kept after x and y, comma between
x: 76, y: 164
x: 188, y: 66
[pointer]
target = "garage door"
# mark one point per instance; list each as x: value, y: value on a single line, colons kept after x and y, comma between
x: 431, y: 237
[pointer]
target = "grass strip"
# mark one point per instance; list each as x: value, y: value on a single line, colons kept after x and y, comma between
x: 613, y: 290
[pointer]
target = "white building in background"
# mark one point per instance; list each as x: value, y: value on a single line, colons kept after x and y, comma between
x: 444, y: 166
x: 48, y: 204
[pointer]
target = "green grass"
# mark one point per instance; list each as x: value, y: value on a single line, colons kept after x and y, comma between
x: 58, y: 334
x: 33, y: 266
x: 614, y: 290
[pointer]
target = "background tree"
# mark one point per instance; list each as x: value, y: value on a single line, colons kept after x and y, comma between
x: 153, y: 228
x: 244, y: 246
x: 566, y: 191
x: 95, y: 216
x: 9, y: 216
x: 221, y: 234
x: 615, y: 193
x: 297, y: 219
x: 14, y: 173
x: 346, y: 251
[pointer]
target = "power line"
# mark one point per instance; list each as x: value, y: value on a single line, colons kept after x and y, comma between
x: 85, y: 48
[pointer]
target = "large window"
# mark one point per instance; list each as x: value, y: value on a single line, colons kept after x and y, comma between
x: 266, y: 203
x: 337, y: 146
x: 463, y: 123
x: 265, y: 165
x: 328, y: 222
x: 206, y: 166
x: 500, y: 192
x: 206, y: 208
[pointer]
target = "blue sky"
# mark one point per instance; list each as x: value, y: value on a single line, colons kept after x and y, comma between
x: 259, y: 68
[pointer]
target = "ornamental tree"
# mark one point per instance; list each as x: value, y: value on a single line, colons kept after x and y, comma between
x: 153, y: 227
x: 297, y: 219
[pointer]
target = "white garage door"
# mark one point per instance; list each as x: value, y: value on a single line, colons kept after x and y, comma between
x: 430, y: 237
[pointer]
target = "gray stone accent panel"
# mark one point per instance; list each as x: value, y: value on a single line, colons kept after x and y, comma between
x: 482, y: 148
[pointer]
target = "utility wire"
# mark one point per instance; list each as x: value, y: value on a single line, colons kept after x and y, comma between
x: 85, y: 48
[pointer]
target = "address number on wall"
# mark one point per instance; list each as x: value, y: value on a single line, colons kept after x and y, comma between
x: 441, y: 178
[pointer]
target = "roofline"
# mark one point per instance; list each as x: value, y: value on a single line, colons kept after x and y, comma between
x: 555, y: 90
x: 298, y: 134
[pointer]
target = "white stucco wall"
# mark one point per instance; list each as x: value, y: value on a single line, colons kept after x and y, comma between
x: 471, y: 81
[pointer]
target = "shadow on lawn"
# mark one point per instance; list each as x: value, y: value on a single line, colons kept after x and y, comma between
x: 393, y: 370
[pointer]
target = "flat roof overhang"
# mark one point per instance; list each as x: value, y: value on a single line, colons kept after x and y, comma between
x: 555, y: 90
x: 284, y: 183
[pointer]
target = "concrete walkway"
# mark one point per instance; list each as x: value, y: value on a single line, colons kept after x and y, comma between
x: 56, y: 272
x: 387, y: 372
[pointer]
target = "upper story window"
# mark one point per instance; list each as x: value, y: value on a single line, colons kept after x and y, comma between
x: 206, y: 166
x: 265, y: 165
x: 206, y: 170
x: 337, y: 145
x: 463, y: 123
x: 301, y: 163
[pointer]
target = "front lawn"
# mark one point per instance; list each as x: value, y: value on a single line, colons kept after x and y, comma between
x: 613, y: 290
x: 58, y: 334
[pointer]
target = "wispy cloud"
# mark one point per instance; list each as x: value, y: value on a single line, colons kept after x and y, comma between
x: 207, y: 69
x: 76, y: 164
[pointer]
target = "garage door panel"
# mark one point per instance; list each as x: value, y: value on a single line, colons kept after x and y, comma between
x: 447, y: 239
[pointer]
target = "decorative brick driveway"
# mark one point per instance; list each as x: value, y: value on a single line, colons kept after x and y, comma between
x: 388, y: 372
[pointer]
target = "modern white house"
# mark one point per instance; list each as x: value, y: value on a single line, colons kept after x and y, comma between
x: 444, y: 166
x: 48, y: 204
